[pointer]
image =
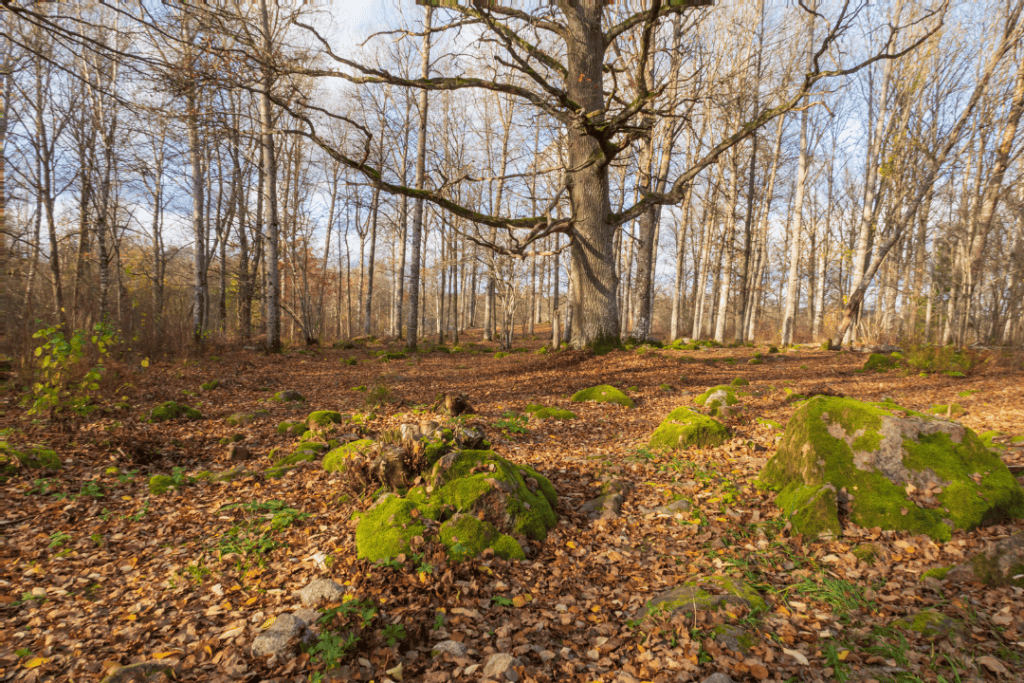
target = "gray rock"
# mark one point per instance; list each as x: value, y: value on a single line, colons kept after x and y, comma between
x: 608, y: 505
x: 320, y: 591
x: 730, y: 638
x: 998, y: 565
x: 499, y: 665
x: 674, y: 508
x: 280, y: 637
x: 718, y: 678
x: 289, y: 396
x: 307, y: 616
x: 451, y: 647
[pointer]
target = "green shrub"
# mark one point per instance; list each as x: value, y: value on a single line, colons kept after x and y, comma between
x: 948, y: 360
x: 172, y: 410
x: 348, y: 361
x: 57, y: 386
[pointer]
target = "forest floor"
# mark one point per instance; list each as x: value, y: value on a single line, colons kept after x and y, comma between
x: 95, y: 572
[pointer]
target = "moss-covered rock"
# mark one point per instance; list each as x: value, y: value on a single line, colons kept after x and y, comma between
x: 684, y: 428
x: 173, y: 410
x: 705, y: 594
x: 336, y: 459
x: 468, y: 536
x: 771, y: 423
x: 942, y: 409
x: 159, y: 484
x: 386, y: 530
x: 292, y: 428
x: 718, y: 401
x: 1000, y: 564
x: 739, y: 382
x: 323, y: 418
x: 349, y: 361
x: 39, y: 459
x: 303, y: 453
x: 930, y: 624
x: 211, y: 385
x: 861, y: 457
x: 937, y: 573
x: 879, y: 362
x: 542, y: 413
x: 244, y: 419
x: 603, y: 393
x: 289, y: 397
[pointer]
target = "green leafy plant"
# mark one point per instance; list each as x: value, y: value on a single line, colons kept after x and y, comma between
x: 58, y: 386
x: 58, y: 538
x: 512, y: 422
x: 501, y: 600
x: 196, y: 573
x: 139, y: 514
x: 42, y: 487
x: 392, y: 633
x: 91, y: 489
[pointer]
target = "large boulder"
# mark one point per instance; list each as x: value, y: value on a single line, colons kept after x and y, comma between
x: 880, y: 465
x: 684, y: 428
x: 506, y: 500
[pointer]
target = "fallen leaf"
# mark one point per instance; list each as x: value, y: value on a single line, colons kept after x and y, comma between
x: 797, y: 655
x: 992, y: 664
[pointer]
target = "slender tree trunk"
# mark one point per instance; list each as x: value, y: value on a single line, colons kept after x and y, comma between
x: 273, y: 292
x: 373, y: 255
x: 417, y: 216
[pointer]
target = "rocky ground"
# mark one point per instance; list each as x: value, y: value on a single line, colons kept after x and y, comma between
x: 231, y: 573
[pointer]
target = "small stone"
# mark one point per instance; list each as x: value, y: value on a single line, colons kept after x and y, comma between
x: 451, y: 647
x: 320, y: 591
x: 279, y: 638
x: 499, y: 665
x: 307, y: 616
x: 238, y: 452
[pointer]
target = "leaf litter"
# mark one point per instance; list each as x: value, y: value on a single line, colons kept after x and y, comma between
x: 97, y: 573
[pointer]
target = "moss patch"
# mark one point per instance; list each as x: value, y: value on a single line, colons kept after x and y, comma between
x: 173, y: 411
x: 878, y: 362
x: 336, y: 459
x: 289, y: 397
x: 39, y: 459
x: 387, y: 529
x: 467, y: 536
x: 929, y: 623
x: 287, y: 463
x: 739, y: 382
x: 323, y: 418
x: 292, y: 428
x: 159, y: 484
x: 941, y: 409
x: 684, y: 428
x: 868, y: 453
x: 603, y: 393
x: 211, y: 385
x: 542, y: 413
x: 707, y: 593
x: 936, y: 573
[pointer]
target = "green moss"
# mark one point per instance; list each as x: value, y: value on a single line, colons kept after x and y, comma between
x: 684, y: 428
x: 241, y: 419
x: 335, y: 460
x: 385, y: 531
x: 929, y: 624
x: 396, y: 355
x: 313, y: 446
x: 866, y: 552
x: 284, y: 465
x: 289, y: 397
x: 709, y: 593
x: 755, y: 361
x: 323, y: 418
x: 605, y: 345
x: 292, y: 428
x: 987, y: 570
x: 772, y: 349
x: 173, y: 411
x: 39, y: 459
x: 159, y: 484
x: 813, y: 509
x: 500, y: 354
x: 771, y: 423
x: 944, y: 409
x: 203, y: 475
x: 878, y: 362
x: 467, y: 536
x: 467, y: 482
x: 936, y: 573
x: 666, y: 387
x: 874, y: 499
x: 730, y: 395
x: 739, y: 382
x: 603, y: 393
x: 556, y: 413
x: 361, y: 387
x: 211, y: 385
x: 349, y: 361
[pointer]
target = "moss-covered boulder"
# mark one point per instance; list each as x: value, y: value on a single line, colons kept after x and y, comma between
x: 739, y: 382
x: 336, y: 459
x: 888, y: 467
x: 719, y: 401
x: 942, y: 409
x: 542, y: 413
x: 211, y: 385
x: 305, y: 452
x: 159, y: 484
x: 1000, y: 564
x: 603, y: 393
x: 173, y: 410
x: 323, y: 418
x: 505, y: 499
x: 684, y: 428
